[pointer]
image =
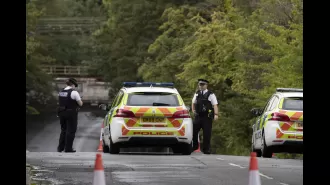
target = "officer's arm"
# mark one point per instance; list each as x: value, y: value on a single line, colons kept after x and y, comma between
x: 80, y: 103
x: 215, y: 107
x: 76, y: 96
x: 193, y: 103
x: 214, y: 102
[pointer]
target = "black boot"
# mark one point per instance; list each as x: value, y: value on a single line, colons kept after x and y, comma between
x: 70, y: 151
x: 59, y: 149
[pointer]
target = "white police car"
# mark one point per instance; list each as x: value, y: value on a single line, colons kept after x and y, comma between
x: 279, y: 125
x: 147, y: 114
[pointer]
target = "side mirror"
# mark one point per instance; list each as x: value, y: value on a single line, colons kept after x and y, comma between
x: 188, y: 107
x: 256, y: 111
x: 104, y: 107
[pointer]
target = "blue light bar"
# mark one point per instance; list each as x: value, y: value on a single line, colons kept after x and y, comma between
x: 288, y: 90
x: 147, y: 84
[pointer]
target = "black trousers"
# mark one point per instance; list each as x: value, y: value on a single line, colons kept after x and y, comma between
x: 69, y: 123
x: 204, y: 123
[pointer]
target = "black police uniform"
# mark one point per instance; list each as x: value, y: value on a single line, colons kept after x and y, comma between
x: 203, y: 120
x: 68, y: 113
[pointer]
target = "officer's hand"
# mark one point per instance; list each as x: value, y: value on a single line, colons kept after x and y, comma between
x: 215, y: 117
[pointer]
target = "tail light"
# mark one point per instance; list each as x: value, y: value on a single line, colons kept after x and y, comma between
x: 181, y: 114
x: 123, y: 113
x: 276, y: 116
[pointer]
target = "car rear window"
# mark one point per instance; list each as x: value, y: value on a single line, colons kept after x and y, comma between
x: 293, y: 103
x: 152, y: 99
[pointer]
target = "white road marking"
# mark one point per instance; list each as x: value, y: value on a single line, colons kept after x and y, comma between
x: 236, y: 165
x: 265, y: 176
x: 220, y: 159
x: 283, y: 183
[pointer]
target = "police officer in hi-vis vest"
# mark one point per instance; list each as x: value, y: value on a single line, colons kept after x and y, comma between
x: 69, y: 103
x: 205, y: 109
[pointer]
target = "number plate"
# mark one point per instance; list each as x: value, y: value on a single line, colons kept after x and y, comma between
x: 299, y: 125
x: 153, y: 120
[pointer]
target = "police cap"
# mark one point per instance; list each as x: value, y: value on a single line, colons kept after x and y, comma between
x: 73, y: 81
x: 203, y: 81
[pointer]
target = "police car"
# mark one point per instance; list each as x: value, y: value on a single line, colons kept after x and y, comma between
x: 279, y: 126
x: 145, y: 114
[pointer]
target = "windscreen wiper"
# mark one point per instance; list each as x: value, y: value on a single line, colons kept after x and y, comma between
x: 160, y: 104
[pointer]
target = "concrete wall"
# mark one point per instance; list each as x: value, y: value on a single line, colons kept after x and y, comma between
x: 91, y: 90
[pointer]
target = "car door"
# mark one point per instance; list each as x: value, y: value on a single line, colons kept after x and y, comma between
x: 259, y: 124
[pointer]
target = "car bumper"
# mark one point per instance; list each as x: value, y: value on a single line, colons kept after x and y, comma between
x: 289, y: 146
x: 283, y: 141
x: 151, y: 136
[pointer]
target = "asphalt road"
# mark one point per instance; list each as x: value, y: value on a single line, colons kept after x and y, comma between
x: 43, y: 135
x: 138, y: 169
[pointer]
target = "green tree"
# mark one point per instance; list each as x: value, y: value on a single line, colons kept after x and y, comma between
x: 37, y: 82
x: 121, y: 44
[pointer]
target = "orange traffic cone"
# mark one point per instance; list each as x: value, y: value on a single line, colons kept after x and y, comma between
x: 99, y: 178
x: 254, y: 178
x: 199, y: 146
x: 100, y: 148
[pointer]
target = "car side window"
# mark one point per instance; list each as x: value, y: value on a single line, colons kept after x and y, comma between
x: 115, y: 100
x: 270, y: 104
x: 264, y: 110
x: 275, y: 102
x: 267, y: 105
x: 120, y: 97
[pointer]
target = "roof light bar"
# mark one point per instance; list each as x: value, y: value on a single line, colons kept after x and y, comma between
x: 147, y: 84
x: 288, y: 90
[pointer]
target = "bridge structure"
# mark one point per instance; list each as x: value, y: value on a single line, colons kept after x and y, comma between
x: 93, y: 89
x: 68, y: 25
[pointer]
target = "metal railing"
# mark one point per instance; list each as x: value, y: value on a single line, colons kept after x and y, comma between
x: 65, y: 70
x: 67, y: 25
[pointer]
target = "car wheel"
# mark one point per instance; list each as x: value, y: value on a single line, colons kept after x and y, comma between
x: 265, y: 151
x: 105, y: 147
x: 113, y: 148
x: 186, y: 149
x: 258, y: 152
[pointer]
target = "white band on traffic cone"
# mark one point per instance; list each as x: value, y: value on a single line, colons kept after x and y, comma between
x: 99, y: 178
x: 254, y: 178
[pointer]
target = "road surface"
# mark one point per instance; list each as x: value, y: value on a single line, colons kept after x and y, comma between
x: 138, y: 169
x: 43, y: 135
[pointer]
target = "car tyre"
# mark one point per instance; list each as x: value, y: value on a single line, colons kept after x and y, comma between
x: 258, y: 152
x: 105, y: 147
x: 184, y: 149
x: 113, y: 148
x: 265, y: 151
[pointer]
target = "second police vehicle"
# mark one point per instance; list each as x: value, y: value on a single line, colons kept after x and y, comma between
x: 147, y: 114
x: 279, y: 125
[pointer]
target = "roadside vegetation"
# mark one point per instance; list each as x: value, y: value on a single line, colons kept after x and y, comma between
x: 246, y: 49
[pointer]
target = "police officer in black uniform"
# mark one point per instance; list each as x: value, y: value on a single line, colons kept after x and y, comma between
x: 69, y: 103
x: 205, y: 109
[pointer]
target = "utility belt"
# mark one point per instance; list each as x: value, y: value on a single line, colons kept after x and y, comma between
x: 64, y: 109
x: 209, y: 114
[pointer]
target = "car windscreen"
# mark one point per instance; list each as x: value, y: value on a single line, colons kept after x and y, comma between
x: 152, y: 99
x: 293, y: 103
